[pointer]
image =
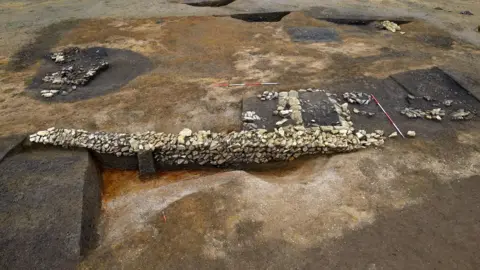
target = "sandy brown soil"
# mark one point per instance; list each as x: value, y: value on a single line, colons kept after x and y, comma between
x: 191, y: 54
x: 412, y: 203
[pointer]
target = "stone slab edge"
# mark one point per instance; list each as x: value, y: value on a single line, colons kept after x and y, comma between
x: 91, y: 209
x: 11, y: 144
x: 146, y: 164
x: 464, y: 80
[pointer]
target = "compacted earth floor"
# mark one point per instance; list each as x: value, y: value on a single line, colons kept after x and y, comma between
x: 413, y: 203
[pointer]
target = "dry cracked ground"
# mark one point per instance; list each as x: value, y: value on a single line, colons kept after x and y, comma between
x: 412, y: 204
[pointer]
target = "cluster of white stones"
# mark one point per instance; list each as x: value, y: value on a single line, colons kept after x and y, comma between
x: 210, y: 148
x: 433, y: 114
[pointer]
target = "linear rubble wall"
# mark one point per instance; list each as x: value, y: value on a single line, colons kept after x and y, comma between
x: 209, y: 148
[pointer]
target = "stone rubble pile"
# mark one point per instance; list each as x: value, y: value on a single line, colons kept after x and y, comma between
x: 446, y: 102
x: 209, y: 148
x: 390, y: 26
x: 295, y: 107
x: 250, y: 116
x: 357, y: 111
x: 357, y: 98
x: 289, y: 106
x: 433, y: 114
x: 49, y: 93
x: 72, y: 73
x: 267, y: 95
x: 461, y: 114
x: 64, y: 56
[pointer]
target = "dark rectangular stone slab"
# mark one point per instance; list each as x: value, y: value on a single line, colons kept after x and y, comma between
x: 264, y: 109
x: 318, y: 107
x: 146, y: 164
x: 111, y: 161
x: 50, y: 203
x: 390, y: 95
x: 437, y: 85
x: 468, y: 82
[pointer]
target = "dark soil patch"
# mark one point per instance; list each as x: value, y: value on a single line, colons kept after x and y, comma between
x: 316, y: 106
x: 361, y: 22
x: 45, y: 40
x: 261, y: 17
x: 207, y: 3
x: 441, y: 233
x: 319, y: 109
x: 444, y: 42
x: 312, y: 34
x: 433, y: 86
x: 353, y: 17
x: 392, y: 94
x: 124, y: 66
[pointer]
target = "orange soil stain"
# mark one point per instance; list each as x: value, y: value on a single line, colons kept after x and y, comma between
x: 117, y: 182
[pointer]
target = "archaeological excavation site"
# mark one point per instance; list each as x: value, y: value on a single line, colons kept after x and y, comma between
x: 238, y: 135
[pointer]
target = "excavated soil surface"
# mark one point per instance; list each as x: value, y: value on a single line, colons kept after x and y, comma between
x: 193, y: 54
x: 364, y: 210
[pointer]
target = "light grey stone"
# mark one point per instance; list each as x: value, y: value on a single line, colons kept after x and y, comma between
x: 186, y: 132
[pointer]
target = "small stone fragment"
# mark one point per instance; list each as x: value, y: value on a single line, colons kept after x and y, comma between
x: 466, y: 12
x: 250, y: 116
x: 186, y: 132
x: 391, y: 26
x: 411, y: 133
x: 428, y: 98
x: 393, y: 135
x: 281, y: 122
x: 461, y: 114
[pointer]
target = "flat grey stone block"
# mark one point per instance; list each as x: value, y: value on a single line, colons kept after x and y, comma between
x: 146, y: 164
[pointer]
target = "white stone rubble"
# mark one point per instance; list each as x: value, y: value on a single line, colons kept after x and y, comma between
x: 206, y: 147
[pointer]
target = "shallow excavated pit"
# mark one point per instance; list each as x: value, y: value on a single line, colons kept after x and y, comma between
x: 261, y: 17
x: 206, y: 3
